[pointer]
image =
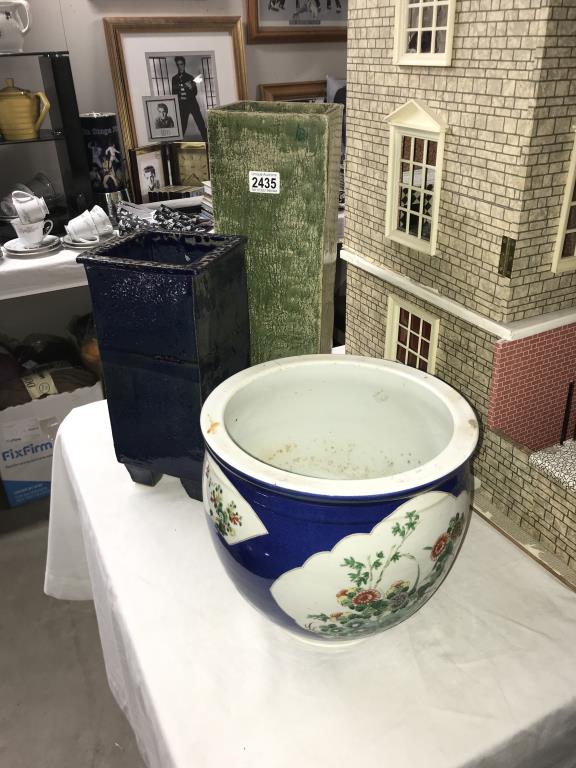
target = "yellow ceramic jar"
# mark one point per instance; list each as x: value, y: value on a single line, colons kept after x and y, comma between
x: 21, y: 112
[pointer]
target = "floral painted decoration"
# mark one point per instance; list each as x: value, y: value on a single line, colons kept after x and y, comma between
x: 229, y: 512
x: 368, y: 603
x: 226, y: 518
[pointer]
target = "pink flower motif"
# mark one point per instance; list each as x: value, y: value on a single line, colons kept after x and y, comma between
x: 235, y: 518
x: 344, y: 595
x: 439, y: 546
x: 367, y: 596
x: 336, y: 614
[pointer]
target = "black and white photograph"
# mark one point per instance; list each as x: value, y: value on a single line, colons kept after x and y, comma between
x: 282, y: 21
x: 190, y: 78
x: 162, y: 118
x: 294, y: 12
x: 149, y: 171
x: 199, y: 61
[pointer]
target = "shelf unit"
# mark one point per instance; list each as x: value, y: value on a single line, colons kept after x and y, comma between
x: 44, y: 134
x: 66, y: 134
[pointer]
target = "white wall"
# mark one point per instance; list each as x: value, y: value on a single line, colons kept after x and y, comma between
x: 76, y: 25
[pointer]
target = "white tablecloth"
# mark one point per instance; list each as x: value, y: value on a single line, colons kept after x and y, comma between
x: 29, y: 275
x: 484, y: 675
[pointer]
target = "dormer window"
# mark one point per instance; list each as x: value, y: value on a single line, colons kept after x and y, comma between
x: 565, y: 251
x: 423, y: 32
x: 414, y: 175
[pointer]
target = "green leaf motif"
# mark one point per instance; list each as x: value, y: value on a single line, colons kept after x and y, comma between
x: 366, y: 605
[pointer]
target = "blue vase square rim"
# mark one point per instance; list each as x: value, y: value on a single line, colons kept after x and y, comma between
x: 177, y: 252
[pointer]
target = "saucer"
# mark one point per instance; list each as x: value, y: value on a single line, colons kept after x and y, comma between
x: 67, y: 242
x: 17, y: 248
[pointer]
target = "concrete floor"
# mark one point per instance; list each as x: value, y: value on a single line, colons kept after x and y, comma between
x: 56, y: 710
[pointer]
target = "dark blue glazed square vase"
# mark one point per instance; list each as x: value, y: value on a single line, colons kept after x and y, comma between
x: 171, y: 315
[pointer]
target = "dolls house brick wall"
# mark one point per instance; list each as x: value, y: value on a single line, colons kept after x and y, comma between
x: 508, y: 100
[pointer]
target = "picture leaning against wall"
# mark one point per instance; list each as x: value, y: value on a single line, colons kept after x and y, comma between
x: 191, y: 77
x: 277, y: 21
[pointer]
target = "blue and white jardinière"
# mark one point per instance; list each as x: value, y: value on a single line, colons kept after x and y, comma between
x: 338, y: 489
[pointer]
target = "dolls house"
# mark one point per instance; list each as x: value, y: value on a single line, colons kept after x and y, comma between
x: 461, y: 231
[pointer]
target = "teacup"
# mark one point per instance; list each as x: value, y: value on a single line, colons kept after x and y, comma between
x: 32, y: 235
x: 81, y: 240
x: 7, y: 206
x: 29, y: 208
x: 101, y: 221
x: 82, y: 229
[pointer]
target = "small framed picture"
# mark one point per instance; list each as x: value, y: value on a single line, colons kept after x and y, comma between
x: 189, y: 163
x: 297, y: 21
x: 149, y: 171
x: 311, y: 91
x: 162, y: 117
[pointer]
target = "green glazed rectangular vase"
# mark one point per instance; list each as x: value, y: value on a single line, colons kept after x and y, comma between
x: 289, y: 215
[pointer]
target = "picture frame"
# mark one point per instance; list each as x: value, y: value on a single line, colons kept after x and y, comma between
x: 308, y: 91
x: 198, y: 59
x: 162, y: 118
x: 297, y: 21
x: 148, y: 170
x: 189, y: 163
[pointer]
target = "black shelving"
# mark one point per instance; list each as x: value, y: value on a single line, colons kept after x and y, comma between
x: 10, y: 54
x: 44, y: 134
x: 67, y: 134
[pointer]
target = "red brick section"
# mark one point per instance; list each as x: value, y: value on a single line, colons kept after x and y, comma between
x: 530, y: 380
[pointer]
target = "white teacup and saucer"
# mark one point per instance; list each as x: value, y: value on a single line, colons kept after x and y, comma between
x: 88, y: 229
x: 33, y: 239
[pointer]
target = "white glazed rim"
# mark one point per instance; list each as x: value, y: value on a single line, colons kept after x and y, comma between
x: 454, y: 455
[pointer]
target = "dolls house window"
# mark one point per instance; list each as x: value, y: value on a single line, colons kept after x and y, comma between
x: 423, y: 32
x: 565, y: 251
x: 411, y: 335
x: 414, y: 171
x: 416, y: 179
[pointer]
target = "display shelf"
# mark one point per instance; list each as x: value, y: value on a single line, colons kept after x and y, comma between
x: 41, y: 274
x: 66, y: 134
x: 8, y: 54
x: 44, y: 134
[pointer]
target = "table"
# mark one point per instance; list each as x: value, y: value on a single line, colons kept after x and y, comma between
x: 40, y: 274
x: 484, y: 675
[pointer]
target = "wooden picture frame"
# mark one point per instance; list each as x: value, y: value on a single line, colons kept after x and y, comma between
x: 152, y: 155
x: 297, y: 21
x: 189, y: 163
x: 310, y: 90
x: 162, y: 118
x: 136, y: 45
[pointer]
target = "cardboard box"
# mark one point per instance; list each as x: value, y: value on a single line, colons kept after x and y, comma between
x: 27, y: 434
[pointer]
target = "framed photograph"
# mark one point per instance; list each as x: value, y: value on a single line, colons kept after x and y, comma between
x: 297, y: 21
x: 312, y: 91
x: 197, y: 60
x: 149, y: 170
x: 162, y: 118
x: 189, y: 163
